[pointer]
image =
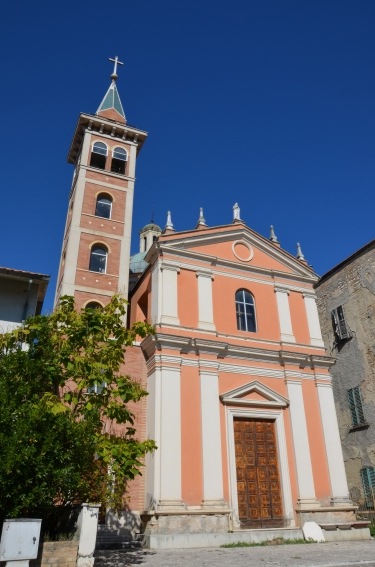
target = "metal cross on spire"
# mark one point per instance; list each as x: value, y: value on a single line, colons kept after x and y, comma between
x: 114, y: 75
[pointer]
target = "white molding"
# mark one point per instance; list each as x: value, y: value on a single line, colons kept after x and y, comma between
x: 223, y: 350
x: 249, y: 248
x: 278, y: 417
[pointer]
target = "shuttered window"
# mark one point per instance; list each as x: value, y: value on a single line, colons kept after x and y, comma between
x: 356, y: 406
x: 368, y: 482
x: 339, y: 324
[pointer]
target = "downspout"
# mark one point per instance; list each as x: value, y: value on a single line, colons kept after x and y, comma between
x: 26, y: 306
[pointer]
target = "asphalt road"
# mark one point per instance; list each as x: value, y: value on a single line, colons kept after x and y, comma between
x: 345, y: 554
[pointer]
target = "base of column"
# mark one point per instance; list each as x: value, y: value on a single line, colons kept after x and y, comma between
x: 286, y: 338
x: 206, y: 326
x: 308, y: 503
x: 213, y: 504
x: 165, y: 505
x: 341, y: 501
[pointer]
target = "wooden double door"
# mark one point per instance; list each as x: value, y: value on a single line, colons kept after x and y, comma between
x: 258, y: 480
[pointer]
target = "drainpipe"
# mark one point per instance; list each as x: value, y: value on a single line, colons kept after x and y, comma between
x: 26, y: 306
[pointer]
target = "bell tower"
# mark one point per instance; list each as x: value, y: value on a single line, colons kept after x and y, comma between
x: 95, y: 254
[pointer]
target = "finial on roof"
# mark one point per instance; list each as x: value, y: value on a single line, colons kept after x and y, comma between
x: 236, y: 212
x: 273, y: 236
x: 300, y: 256
x: 201, y: 220
x: 116, y: 62
x: 169, y: 225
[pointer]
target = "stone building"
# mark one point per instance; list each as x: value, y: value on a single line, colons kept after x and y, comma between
x: 346, y: 303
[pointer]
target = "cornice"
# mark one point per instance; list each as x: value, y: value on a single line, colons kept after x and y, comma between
x: 103, y: 126
x: 224, y: 350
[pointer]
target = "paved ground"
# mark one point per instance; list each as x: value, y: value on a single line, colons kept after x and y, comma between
x: 353, y: 554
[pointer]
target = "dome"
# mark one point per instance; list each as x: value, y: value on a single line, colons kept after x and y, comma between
x: 151, y: 226
x: 137, y: 263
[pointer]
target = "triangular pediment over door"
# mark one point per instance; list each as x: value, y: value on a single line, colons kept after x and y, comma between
x: 254, y: 394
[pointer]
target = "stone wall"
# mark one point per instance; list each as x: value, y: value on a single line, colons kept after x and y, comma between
x: 352, y: 285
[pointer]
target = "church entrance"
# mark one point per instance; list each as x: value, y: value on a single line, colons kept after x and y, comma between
x: 258, y: 481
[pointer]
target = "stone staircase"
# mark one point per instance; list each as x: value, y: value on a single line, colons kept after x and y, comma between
x: 111, y: 539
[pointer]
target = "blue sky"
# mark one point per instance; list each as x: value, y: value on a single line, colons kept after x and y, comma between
x: 270, y: 103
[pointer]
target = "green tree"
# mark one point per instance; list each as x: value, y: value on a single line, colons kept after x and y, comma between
x: 61, y: 391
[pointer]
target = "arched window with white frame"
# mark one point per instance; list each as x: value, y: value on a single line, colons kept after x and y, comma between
x: 119, y: 159
x: 103, y: 207
x: 98, y: 258
x: 245, y: 311
x: 99, y: 155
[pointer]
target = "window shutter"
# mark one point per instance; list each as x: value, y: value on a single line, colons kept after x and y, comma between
x: 335, y: 322
x: 343, y: 331
x: 356, y: 406
x: 339, y: 323
x: 359, y: 405
x: 352, y: 406
x: 368, y: 482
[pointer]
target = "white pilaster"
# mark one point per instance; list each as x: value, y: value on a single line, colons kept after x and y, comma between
x: 170, y: 437
x: 153, y: 432
x: 339, y: 486
x: 205, y: 305
x: 305, y: 480
x: 286, y: 329
x: 211, y: 439
x: 156, y: 294
x: 313, y: 320
x: 169, y: 303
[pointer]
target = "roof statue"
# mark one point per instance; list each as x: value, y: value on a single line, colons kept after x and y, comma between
x: 169, y: 225
x: 300, y: 256
x: 201, y: 220
x: 273, y: 236
x: 236, y: 212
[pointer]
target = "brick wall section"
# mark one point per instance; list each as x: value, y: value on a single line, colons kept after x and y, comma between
x: 118, y: 197
x: 56, y: 554
x: 135, y: 366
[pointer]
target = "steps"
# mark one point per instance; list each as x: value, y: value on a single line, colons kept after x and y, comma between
x: 111, y: 539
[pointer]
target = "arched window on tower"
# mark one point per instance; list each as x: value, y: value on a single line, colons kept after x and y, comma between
x: 99, y: 155
x: 103, y: 206
x: 98, y: 259
x: 119, y: 159
x: 245, y: 311
x: 94, y: 305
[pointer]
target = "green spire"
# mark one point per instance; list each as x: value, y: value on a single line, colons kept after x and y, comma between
x: 111, y: 100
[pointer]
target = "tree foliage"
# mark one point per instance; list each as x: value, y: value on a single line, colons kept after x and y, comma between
x: 61, y: 394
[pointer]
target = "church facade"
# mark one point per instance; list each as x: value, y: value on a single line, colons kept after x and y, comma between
x: 240, y: 397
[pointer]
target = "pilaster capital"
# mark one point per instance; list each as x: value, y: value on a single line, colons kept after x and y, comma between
x: 279, y: 288
x: 204, y: 273
x: 171, y: 266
